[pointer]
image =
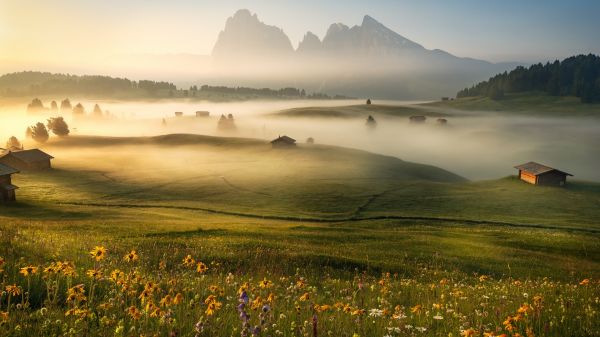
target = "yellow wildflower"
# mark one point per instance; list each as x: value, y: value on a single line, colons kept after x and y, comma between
x: 28, y: 271
x: 98, y: 253
x: 132, y: 256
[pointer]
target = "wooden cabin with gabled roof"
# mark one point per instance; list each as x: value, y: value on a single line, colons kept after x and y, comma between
x: 33, y: 159
x: 283, y: 142
x: 7, y: 189
x: 538, y: 174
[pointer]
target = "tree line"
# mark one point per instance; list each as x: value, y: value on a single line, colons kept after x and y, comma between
x: 45, y: 83
x: 577, y: 76
x: 42, y: 83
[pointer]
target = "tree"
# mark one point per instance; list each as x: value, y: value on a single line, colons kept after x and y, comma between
x: 39, y: 133
x: 13, y: 144
x: 65, y: 106
x: 368, y: 101
x: 54, y: 106
x: 310, y: 140
x: 371, y: 122
x: 58, y: 126
x: 79, y: 110
x: 97, y: 111
x: 36, y: 105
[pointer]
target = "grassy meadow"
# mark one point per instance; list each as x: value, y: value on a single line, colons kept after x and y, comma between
x: 205, y: 236
x: 530, y: 103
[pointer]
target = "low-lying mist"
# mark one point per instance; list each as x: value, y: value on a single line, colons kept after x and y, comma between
x: 478, y: 146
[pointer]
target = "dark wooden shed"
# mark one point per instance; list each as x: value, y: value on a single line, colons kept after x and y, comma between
x: 538, y: 174
x: 7, y: 189
x: 283, y: 142
x: 33, y: 159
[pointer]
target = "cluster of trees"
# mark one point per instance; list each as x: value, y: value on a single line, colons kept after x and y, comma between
x: 264, y: 92
x: 13, y: 144
x: 78, y: 110
x: 577, y: 76
x: 226, y: 123
x: 44, y: 83
x: 41, y: 133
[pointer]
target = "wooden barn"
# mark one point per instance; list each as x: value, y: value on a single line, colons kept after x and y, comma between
x: 33, y: 159
x: 538, y: 174
x: 7, y: 189
x: 283, y: 142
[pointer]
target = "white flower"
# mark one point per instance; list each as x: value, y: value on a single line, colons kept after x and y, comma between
x: 408, y: 326
x: 421, y: 329
x: 375, y: 312
x: 438, y: 317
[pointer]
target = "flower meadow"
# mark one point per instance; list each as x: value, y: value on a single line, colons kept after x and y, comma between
x: 127, y: 294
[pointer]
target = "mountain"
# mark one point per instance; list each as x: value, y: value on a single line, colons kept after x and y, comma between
x: 246, y: 37
x: 364, y: 60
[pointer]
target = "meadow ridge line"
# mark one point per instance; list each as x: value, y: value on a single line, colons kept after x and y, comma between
x: 348, y: 219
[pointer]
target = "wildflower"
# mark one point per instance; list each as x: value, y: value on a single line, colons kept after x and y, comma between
x: 162, y: 265
x: 375, y: 312
x: 132, y: 256
x: 166, y: 301
x: 94, y: 273
x: 178, y: 298
x: 438, y: 317
x: 416, y: 309
x: 525, y: 308
x: 98, y: 253
x: 244, y: 297
x: 188, y: 261
x: 358, y: 312
x: 3, y: 316
x: 304, y: 297
x: 469, y: 332
x: 13, y: 290
x: 201, y: 267
x: 134, y: 312
x: 256, y: 303
x: 212, y: 307
x: 265, y: 283
x: 116, y: 275
x: 271, y: 298
x: 483, y: 278
x: 1, y: 263
x: 584, y: 282
x: 76, y: 293
x: 29, y: 270
x: 145, y: 295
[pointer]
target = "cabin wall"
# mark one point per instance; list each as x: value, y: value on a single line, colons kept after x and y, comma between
x: 6, y: 179
x: 552, y: 179
x: 12, y: 162
x: 527, y: 177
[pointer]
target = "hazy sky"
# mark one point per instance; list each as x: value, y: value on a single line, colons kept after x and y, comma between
x: 41, y: 31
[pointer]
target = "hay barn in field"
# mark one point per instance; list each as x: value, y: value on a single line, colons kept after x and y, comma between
x: 7, y: 189
x: 538, y: 174
x: 33, y: 159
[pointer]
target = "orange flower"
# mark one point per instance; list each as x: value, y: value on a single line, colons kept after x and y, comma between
x: 304, y: 297
x: 201, y: 267
x: 585, y: 282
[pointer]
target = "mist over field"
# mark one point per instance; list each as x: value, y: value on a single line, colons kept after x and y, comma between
x: 476, y: 145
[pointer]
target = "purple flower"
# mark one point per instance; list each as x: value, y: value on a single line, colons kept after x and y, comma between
x: 244, y: 297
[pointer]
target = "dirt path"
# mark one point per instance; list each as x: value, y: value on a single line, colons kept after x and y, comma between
x: 348, y: 219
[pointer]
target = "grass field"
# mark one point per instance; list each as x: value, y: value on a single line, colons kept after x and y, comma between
x: 524, y: 103
x: 295, y: 241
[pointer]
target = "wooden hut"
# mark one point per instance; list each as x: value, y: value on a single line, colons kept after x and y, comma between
x: 283, y: 142
x: 417, y: 119
x: 202, y: 114
x: 538, y: 174
x: 7, y: 189
x: 33, y: 159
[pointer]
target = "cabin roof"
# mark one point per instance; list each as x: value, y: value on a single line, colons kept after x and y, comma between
x: 285, y: 139
x: 30, y: 156
x: 537, y: 169
x: 6, y: 170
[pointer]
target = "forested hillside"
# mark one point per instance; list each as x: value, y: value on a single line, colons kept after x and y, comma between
x: 577, y: 76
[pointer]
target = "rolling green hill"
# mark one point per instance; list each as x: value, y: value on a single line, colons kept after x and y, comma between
x: 359, y: 111
x: 329, y: 199
x: 530, y: 103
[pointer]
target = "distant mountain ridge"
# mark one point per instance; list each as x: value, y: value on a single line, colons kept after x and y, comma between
x: 357, y: 60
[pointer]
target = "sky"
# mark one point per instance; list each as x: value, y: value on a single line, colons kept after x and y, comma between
x: 34, y: 33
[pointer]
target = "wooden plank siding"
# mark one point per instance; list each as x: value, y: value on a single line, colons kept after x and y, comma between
x: 528, y: 177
